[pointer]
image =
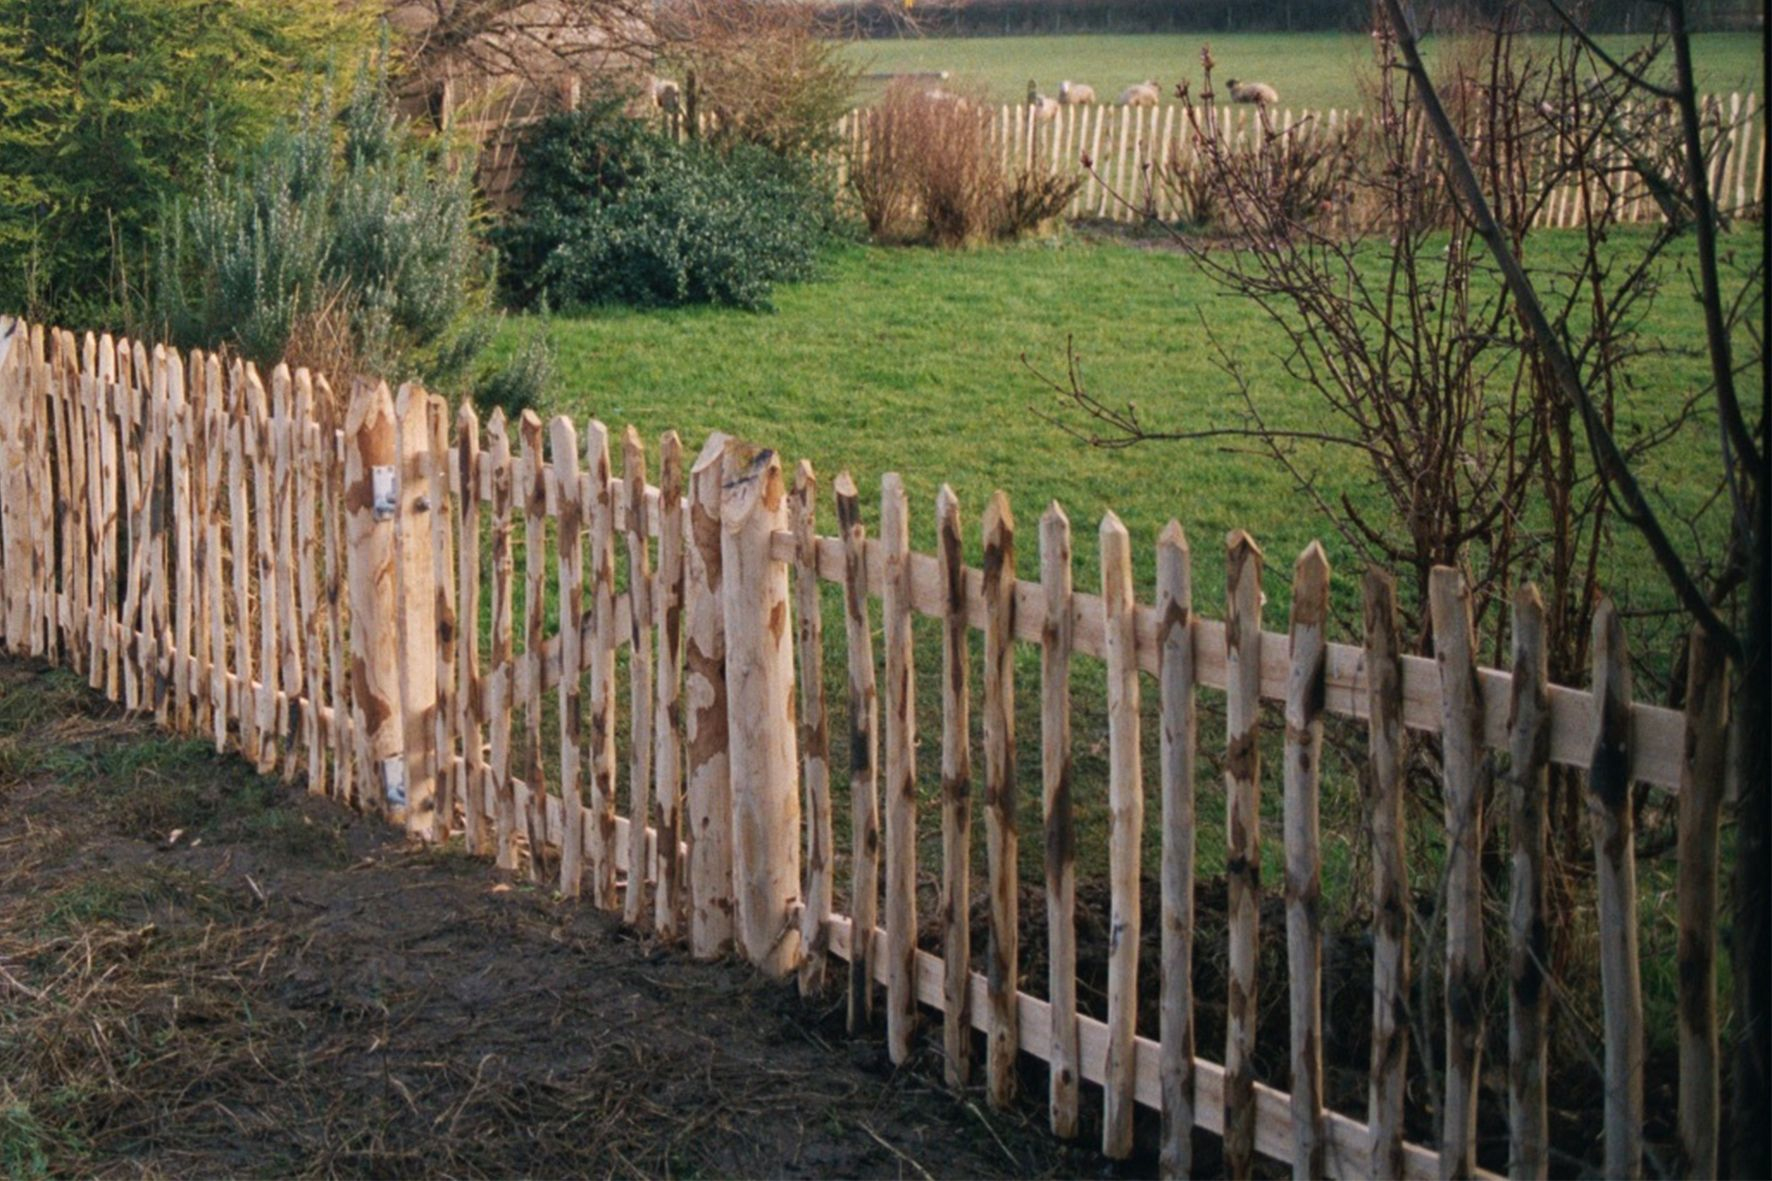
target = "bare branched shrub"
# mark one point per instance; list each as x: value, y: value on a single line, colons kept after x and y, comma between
x: 928, y: 170
x: 764, y: 72
x: 1033, y: 197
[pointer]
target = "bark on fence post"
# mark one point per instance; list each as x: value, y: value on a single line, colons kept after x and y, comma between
x: 372, y: 500
x: 762, y: 754
x: 708, y: 786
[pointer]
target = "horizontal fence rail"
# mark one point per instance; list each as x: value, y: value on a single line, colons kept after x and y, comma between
x: 417, y: 611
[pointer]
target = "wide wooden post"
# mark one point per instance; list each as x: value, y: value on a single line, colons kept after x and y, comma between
x: 1178, y: 748
x: 1242, y: 780
x: 956, y: 797
x: 418, y: 610
x: 763, y: 751
x: 1528, y: 996
x: 1126, y: 806
x: 708, y: 789
x: 372, y: 502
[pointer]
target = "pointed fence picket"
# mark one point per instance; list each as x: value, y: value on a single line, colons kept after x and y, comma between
x: 141, y: 490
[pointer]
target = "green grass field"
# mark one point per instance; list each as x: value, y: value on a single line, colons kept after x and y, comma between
x: 911, y: 360
x: 1310, y: 70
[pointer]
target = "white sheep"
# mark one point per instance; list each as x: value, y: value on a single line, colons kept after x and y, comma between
x: 1045, y: 106
x: 1259, y: 93
x: 666, y: 95
x: 1142, y: 94
x: 1073, y: 94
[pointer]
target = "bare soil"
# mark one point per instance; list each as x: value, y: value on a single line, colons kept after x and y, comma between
x: 203, y: 972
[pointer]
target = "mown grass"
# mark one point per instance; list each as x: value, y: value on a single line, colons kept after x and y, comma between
x: 1310, y: 70
x: 911, y: 360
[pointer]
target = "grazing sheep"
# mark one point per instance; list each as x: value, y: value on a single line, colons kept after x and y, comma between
x: 1142, y: 94
x: 1072, y: 94
x: 1259, y: 93
x: 1045, y: 106
x: 666, y: 95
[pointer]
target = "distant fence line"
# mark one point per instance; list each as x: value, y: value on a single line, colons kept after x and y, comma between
x: 340, y: 603
x: 1132, y: 147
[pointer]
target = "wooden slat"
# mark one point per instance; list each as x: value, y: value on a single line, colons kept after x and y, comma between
x: 901, y: 772
x: 417, y: 609
x: 338, y: 607
x: 667, y: 728
x: 290, y: 648
x: 1466, y: 773
x: 469, y: 685
x: 1615, y: 874
x: 1177, y: 750
x: 1387, y: 762
x: 372, y: 443
x: 1002, y: 836
x: 569, y: 543
x: 1701, y: 797
x: 637, y: 902
x: 601, y: 507
x: 216, y: 433
x: 1243, y: 654
x: 1056, y: 644
x: 535, y: 566
x: 1304, y: 864
x: 864, y: 741
x: 309, y: 487
x: 499, y: 685
x: 760, y: 713
x: 443, y: 762
x: 814, y: 729
x: 262, y: 462
x: 240, y: 546
x: 1528, y: 995
x: 956, y: 795
x: 709, y: 798
x: 1125, y: 838
x: 186, y: 520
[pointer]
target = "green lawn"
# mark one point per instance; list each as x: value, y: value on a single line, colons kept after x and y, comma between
x: 912, y: 360
x: 1310, y: 70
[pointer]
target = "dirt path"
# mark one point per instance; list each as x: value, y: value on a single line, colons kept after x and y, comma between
x: 281, y: 988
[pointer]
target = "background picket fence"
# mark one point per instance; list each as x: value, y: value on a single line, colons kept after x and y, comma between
x: 364, y: 604
x: 1132, y: 147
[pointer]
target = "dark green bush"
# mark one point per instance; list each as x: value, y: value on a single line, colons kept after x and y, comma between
x: 614, y: 212
x: 351, y: 227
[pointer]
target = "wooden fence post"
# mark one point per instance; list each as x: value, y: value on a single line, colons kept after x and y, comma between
x: 762, y: 754
x: 1700, y: 801
x: 1304, y: 875
x: 417, y: 605
x: 1387, y: 754
x: 1615, y: 874
x: 901, y: 770
x: 864, y: 742
x: 956, y: 797
x: 1002, y: 834
x: 1466, y: 780
x: 1178, y: 747
x: 1057, y: 635
x: 708, y: 790
x: 372, y: 501
x: 1126, y: 807
x: 1242, y: 774
x: 814, y: 731
x: 1528, y: 996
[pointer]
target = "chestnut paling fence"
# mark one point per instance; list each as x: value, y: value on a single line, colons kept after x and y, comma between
x: 340, y: 603
x: 1131, y: 148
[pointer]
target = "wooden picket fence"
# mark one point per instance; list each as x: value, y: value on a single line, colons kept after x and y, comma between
x: 1132, y: 148
x: 305, y: 587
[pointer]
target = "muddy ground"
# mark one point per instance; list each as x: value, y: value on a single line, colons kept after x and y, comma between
x: 205, y: 973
